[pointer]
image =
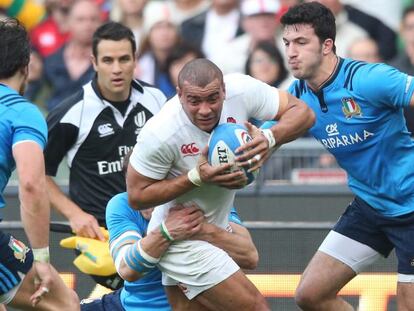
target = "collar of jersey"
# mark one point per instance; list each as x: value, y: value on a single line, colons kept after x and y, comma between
x: 331, y: 78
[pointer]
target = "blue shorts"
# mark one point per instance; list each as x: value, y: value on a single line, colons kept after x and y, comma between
x: 108, y: 302
x: 364, y: 224
x: 16, y: 259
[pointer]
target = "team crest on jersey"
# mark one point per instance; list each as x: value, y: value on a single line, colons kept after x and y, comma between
x: 19, y: 249
x: 350, y: 108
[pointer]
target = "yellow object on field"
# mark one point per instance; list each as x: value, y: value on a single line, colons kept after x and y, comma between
x: 28, y: 12
x: 95, y: 258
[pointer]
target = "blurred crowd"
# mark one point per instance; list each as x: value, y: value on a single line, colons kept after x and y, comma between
x: 238, y: 35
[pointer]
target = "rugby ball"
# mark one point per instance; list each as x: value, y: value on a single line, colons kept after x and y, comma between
x: 224, y: 140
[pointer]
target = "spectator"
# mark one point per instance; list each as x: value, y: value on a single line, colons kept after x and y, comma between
x: 353, y: 24
x: 130, y: 14
x: 161, y: 36
x: 70, y: 67
x: 181, y: 10
x: 364, y: 49
x: 180, y: 55
x: 265, y: 63
x: 95, y: 128
x: 53, y: 32
x: 404, y: 61
x: 214, y: 28
x: 260, y: 24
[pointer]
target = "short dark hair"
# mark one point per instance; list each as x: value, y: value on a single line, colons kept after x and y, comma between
x: 315, y: 14
x: 199, y: 72
x: 112, y: 31
x: 14, y: 47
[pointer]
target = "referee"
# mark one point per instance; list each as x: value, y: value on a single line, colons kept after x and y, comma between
x: 94, y: 129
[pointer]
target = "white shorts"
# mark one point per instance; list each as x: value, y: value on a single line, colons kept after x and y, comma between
x: 354, y: 254
x: 195, y: 266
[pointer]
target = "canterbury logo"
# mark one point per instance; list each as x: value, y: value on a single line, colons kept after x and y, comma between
x: 190, y: 149
x: 105, y: 130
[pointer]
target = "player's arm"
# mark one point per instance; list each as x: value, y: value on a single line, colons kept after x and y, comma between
x: 62, y: 136
x: 145, y: 192
x: 135, y: 256
x: 237, y: 243
x: 412, y: 100
x: 35, y: 209
x: 294, y: 119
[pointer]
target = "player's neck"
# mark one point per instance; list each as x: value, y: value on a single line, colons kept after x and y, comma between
x: 15, y: 82
x: 324, y: 72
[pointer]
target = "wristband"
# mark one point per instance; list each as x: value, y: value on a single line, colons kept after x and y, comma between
x: 270, y: 137
x: 165, y: 233
x: 147, y: 256
x: 194, y: 176
x: 41, y: 254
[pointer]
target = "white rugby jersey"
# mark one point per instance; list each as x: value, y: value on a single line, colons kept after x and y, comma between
x: 169, y: 145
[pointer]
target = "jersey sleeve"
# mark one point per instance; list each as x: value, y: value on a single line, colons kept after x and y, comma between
x: 62, y: 136
x: 151, y: 157
x: 234, y: 217
x: 261, y: 99
x: 120, y: 217
x: 30, y: 125
x: 384, y: 85
x: 125, y: 225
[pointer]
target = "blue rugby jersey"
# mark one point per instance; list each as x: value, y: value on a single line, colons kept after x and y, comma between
x: 147, y: 293
x: 19, y: 121
x: 359, y: 119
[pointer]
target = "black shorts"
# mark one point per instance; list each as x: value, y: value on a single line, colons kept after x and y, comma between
x: 108, y: 302
x: 16, y: 259
x: 364, y: 224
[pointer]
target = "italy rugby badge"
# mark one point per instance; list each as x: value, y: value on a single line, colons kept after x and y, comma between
x: 350, y: 108
x: 19, y: 249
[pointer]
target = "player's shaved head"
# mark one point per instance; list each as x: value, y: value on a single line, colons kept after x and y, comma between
x: 199, y: 72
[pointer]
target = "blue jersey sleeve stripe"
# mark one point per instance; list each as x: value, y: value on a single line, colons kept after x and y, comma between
x: 7, y: 97
x: 3, y: 287
x: 14, y: 102
x: 7, y: 276
x: 353, y: 73
x: 349, y: 64
x: 348, y: 77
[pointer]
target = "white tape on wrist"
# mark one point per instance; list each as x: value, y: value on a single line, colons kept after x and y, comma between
x: 147, y: 256
x: 270, y: 137
x: 194, y: 176
x: 41, y: 254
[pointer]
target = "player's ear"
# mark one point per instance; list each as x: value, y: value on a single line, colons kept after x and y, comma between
x: 328, y: 46
x: 179, y: 91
